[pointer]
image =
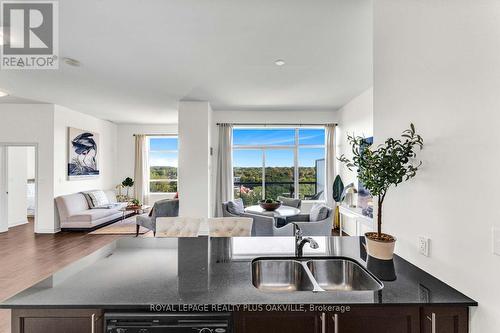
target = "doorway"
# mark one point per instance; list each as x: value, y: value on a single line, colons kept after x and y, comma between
x: 18, y: 186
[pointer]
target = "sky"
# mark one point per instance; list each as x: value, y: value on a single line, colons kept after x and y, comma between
x: 277, y: 137
x: 163, y: 151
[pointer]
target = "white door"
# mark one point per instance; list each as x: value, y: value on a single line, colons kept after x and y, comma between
x: 4, y: 226
x: 17, y: 187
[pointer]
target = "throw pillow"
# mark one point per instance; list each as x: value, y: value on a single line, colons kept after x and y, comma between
x: 104, y: 207
x: 318, y: 212
x: 98, y: 198
x: 236, y: 207
x: 290, y: 202
x: 88, y: 199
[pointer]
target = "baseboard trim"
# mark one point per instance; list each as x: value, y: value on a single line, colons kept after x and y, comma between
x: 98, y: 226
x: 47, y: 231
x: 17, y: 224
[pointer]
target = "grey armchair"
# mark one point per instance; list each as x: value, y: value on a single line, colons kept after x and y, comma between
x: 161, y: 208
x: 309, y: 228
x: 262, y: 225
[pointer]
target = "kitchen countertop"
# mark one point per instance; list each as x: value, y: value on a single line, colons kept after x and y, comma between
x: 134, y: 273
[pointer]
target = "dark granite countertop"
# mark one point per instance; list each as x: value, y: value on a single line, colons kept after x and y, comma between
x: 134, y: 273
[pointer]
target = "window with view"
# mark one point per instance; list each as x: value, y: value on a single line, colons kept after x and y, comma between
x: 163, y: 154
x: 272, y: 162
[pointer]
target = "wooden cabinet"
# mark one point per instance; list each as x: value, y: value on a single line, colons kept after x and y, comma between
x: 355, y: 319
x: 359, y: 319
x: 57, y: 321
x: 444, y: 319
x: 382, y: 319
x: 277, y: 322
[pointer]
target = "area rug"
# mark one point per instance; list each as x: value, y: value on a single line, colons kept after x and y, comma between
x: 125, y: 227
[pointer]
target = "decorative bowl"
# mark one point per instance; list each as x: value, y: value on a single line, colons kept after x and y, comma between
x: 270, y: 206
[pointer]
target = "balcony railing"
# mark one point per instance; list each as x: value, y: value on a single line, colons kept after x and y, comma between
x: 288, y: 193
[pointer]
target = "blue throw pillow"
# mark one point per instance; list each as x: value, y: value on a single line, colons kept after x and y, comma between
x: 236, y: 207
x: 318, y: 212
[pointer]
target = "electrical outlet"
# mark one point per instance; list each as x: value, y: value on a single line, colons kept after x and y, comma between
x: 423, y: 246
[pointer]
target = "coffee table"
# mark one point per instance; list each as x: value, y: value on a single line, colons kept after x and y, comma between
x: 282, y: 211
x: 136, y: 209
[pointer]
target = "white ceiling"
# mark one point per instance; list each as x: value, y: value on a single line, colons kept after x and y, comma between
x: 139, y: 58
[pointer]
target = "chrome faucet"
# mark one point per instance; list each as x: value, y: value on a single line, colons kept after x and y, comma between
x: 300, y: 241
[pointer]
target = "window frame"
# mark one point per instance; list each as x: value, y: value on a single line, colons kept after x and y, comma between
x: 165, y: 136
x: 295, y: 147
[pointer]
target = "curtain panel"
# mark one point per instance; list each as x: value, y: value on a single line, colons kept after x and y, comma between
x: 141, y: 169
x: 330, y: 163
x: 224, y: 182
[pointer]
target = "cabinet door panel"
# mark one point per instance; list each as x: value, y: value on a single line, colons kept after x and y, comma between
x: 349, y: 225
x: 447, y: 319
x: 277, y: 322
x: 376, y: 320
x: 57, y: 325
x: 56, y: 321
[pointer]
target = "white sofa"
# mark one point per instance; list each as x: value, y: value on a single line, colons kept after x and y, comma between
x: 75, y: 213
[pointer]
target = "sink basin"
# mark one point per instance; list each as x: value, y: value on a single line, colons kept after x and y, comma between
x: 342, y: 274
x: 280, y: 275
x: 311, y: 274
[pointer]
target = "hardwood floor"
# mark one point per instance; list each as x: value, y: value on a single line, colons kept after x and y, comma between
x: 26, y: 258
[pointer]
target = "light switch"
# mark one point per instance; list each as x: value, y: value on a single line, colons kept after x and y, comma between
x: 496, y: 240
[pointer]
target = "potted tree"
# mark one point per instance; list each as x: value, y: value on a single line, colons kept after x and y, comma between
x: 128, y: 183
x: 379, y: 168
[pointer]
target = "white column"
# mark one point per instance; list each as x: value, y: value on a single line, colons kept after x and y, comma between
x: 194, y: 159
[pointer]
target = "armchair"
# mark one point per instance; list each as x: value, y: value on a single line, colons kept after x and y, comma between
x: 262, y: 225
x: 309, y: 228
x: 161, y: 208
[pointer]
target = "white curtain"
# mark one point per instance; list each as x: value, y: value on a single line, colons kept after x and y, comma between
x: 224, y: 184
x: 141, y: 169
x: 330, y: 163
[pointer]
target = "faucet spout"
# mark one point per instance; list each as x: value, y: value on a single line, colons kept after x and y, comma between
x: 300, y: 241
x: 300, y: 246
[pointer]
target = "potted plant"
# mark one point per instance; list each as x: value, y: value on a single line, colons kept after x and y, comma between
x: 128, y: 183
x: 134, y: 204
x: 379, y: 168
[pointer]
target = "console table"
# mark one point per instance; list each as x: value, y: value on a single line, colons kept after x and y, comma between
x: 353, y: 222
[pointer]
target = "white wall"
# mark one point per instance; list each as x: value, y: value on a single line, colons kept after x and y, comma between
x: 437, y: 65
x: 31, y: 162
x: 17, y: 171
x: 126, y: 151
x: 194, y: 159
x: 356, y: 117
x: 64, y: 118
x: 34, y: 124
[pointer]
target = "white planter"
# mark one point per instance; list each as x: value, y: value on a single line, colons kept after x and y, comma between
x: 383, y: 250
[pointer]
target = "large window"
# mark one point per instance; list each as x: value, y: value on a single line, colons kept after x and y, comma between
x: 272, y: 162
x: 163, y: 156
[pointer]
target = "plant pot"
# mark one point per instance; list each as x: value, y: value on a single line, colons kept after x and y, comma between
x: 382, y: 249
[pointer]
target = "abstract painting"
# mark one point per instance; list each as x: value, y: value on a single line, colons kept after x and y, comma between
x: 83, y: 154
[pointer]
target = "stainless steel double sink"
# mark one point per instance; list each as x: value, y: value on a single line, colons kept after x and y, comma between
x: 312, y: 274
